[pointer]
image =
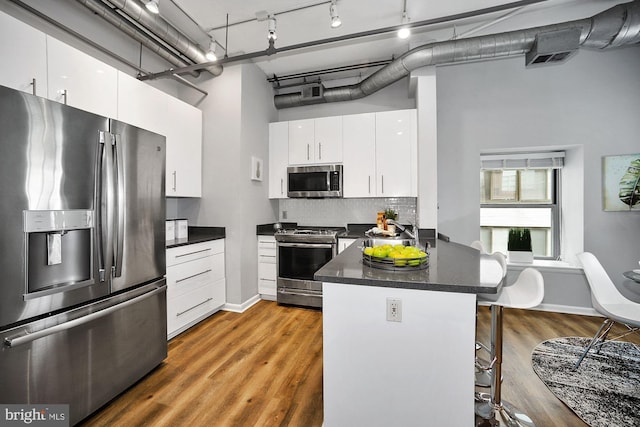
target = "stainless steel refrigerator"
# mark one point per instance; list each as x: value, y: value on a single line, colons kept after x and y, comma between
x: 82, y: 254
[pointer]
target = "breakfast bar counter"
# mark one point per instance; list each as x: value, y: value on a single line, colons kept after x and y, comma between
x: 399, y: 346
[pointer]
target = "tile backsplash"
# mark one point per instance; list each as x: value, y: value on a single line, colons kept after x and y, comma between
x: 340, y: 212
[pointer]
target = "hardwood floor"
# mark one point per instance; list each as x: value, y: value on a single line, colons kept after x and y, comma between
x: 264, y: 368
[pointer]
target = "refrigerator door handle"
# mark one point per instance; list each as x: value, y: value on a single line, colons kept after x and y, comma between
x: 106, y: 203
x: 120, y: 201
x: 30, y: 337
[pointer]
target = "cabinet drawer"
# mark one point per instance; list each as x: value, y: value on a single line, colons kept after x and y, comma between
x: 184, y: 277
x: 267, y: 271
x: 267, y: 287
x: 188, y: 307
x: 266, y: 258
x: 187, y: 253
x: 266, y: 243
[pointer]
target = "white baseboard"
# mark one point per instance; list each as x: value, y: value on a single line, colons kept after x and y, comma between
x: 241, y: 308
x: 558, y: 308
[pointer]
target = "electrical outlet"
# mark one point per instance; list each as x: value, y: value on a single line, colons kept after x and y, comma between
x: 394, y: 310
x: 284, y: 214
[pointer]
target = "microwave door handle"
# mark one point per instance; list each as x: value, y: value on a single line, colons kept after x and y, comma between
x: 120, y: 202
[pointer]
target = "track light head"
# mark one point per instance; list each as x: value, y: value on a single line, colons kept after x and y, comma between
x: 271, y: 35
x: 405, y: 31
x: 211, y: 53
x: 153, y: 6
x: 335, y: 18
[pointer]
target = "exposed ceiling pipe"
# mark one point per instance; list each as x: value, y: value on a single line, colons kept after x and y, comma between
x: 155, y: 24
x: 617, y: 26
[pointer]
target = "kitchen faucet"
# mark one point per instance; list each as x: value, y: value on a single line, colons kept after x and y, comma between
x: 412, y: 234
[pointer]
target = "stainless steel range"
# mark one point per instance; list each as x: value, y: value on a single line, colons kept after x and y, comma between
x: 301, y: 252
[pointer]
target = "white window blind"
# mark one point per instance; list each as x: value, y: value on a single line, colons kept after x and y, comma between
x: 540, y: 160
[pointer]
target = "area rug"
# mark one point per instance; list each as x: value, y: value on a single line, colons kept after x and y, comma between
x: 604, y: 391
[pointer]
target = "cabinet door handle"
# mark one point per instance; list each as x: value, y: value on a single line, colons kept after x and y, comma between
x: 64, y: 94
x: 192, y: 276
x: 195, y: 306
x: 175, y: 180
x: 307, y: 151
x: 382, y: 176
x: 281, y: 186
x: 369, y: 184
x: 33, y: 85
x: 319, y: 151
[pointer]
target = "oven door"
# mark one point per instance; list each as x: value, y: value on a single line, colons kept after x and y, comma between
x: 297, y: 263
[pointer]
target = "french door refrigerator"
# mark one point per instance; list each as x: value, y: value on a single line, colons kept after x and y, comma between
x: 82, y: 254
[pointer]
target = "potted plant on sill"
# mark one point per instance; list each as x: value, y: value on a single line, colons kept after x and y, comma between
x: 519, y: 245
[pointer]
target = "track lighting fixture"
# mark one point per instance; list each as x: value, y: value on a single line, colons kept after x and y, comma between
x: 272, y: 28
x: 404, y: 32
x: 153, y: 6
x: 335, y: 18
x: 211, y: 53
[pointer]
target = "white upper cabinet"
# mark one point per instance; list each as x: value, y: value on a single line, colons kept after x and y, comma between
x: 81, y: 81
x: 184, y: 149
x: 380, y: 154
x: 396, y: 153
x: 24, y: 53
x: 149, y: 108
x: 278, y: 159
x: 141, y: 105
x: 328, y: 140
x: 315, y: 141
x: 359, y: 155
x: 301, y: 142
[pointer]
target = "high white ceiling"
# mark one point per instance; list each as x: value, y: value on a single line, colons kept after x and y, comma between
x: 310, y: 22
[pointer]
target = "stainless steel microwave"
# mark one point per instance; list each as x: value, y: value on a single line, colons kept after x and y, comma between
x: 315, y: 181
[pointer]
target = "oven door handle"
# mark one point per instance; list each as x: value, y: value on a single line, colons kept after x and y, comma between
x: 305, y: 293
x: 306, y: 245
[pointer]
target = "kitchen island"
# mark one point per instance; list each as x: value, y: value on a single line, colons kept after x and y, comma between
x: 414, y: 370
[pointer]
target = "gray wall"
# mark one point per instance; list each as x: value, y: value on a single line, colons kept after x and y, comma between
x: 236, y: 117
x: 592, y: 101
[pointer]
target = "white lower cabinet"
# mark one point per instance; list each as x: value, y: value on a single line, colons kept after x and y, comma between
x: 344, y: 243
x: 267, y: 273
x: 196, y: 286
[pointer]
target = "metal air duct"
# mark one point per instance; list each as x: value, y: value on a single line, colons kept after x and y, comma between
x: 155, y: 24
x: 614, y: 27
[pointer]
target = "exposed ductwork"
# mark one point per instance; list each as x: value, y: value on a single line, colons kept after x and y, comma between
x: 612, y: 28
x: 156, y: 25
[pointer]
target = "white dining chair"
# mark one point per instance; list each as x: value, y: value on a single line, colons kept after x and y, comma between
x: 608, y: 301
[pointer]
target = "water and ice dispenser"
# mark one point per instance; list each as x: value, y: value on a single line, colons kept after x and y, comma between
x: 59, y: 251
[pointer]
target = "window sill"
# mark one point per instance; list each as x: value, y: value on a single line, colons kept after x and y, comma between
x: 546, y: 265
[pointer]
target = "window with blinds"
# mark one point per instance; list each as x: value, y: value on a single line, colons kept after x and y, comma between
x: 521, y: 190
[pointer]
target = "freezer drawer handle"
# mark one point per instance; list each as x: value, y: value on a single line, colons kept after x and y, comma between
x: 195, y: 306
x: 25, y: 339
x: 192, y: 276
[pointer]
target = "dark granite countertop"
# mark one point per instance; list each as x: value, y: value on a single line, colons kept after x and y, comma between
x: 198, y: 235
x: 452, y: 268
x: 268, y: 230
x: 356, y: 231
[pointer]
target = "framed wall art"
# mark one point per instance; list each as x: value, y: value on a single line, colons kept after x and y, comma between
x: 621, y: 182
x: 256, y: 169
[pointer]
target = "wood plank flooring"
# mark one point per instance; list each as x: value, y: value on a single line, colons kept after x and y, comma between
x: 264, y: 368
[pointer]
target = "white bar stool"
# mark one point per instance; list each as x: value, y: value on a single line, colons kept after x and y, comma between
x: 493, y: 268
x: 526, y: 292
